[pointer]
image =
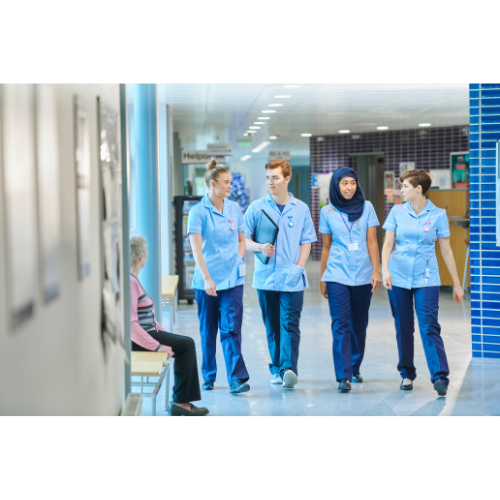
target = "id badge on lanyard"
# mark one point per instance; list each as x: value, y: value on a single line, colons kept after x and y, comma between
x: 353, y: 246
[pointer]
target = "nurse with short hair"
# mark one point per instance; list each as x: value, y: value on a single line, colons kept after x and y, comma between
x: 216, y: 232
x: 281, y: 282
x: 411, y: 273
x: 350, y: 271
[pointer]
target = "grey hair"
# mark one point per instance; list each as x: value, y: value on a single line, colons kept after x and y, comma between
x: 138, y: 247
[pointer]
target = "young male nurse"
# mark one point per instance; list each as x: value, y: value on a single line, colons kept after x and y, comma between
x: 280, y: 283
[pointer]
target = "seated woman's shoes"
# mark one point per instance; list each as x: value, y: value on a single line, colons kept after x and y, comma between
x: 239, y: 386
x: 177, y: 411
x: 440, y: 387
x: 345, y: 385
x: 406, y: 385
x: 207, y: 385
x: 357, y: 378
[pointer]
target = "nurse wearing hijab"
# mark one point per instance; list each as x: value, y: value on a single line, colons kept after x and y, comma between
x: 350, y: 271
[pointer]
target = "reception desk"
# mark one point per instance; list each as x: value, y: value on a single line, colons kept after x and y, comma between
x: 456, y: 204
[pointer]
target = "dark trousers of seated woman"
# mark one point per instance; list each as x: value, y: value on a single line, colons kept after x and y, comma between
x: 186, y: 382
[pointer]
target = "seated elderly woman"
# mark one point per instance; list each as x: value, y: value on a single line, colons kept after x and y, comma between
x: 148, y: 335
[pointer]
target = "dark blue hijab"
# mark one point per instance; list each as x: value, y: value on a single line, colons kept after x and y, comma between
x: 353, y: 207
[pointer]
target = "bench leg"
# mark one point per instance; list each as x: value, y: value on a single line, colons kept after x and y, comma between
x: 153, y: 411
x: 171, y: 317
x: 167, y: 387
x: 176, y: 299
x: 142, y: 383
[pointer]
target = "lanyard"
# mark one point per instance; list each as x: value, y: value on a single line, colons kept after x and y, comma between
x: 349, y: 229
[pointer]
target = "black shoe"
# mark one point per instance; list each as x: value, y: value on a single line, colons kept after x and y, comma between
x: 239, y: 386
x: 440, y: 387
x: 357, y: 378
x: 207, y: 385
x: 177, y: 411
x: 345, y: 385
x: 406, y: 386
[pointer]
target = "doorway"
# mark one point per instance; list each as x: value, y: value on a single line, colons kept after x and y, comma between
x: 370, y: 170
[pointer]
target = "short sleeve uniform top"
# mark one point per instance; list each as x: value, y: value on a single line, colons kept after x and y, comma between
x: 413, y: 262
x: 219, y: 233
x: 351, y: 268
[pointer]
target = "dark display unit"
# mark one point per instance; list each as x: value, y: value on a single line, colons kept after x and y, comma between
x: 184, y: 258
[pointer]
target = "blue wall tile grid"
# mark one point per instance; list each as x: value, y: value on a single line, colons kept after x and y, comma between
x: 485, y: 255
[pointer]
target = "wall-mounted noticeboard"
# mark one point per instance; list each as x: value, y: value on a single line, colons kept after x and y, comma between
x: 459, y: 164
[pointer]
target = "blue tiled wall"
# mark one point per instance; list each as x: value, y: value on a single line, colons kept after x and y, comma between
x: 429, y: 148
x: 484, y: 254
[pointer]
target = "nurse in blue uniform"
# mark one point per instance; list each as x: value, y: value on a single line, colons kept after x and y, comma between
x: 280, y: 283
x: 216, y: 232
x: 350, y: 271
x: 411, y: 273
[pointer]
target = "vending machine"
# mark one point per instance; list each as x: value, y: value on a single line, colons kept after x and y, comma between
x: 184, y: 258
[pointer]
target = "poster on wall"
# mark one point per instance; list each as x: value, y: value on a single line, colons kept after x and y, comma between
x: 460, y: 169
x: 111, y: 224
x: 82, y: 167
x: 18, y: 119
x: 47, y: 159
x: 441, y: 178
x: 406, y: 167
x: 389, y: 186
x: 321, y: 182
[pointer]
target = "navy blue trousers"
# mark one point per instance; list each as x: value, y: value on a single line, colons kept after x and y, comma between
x: 349, y: 312
x: 426, y: 307
x: 223, y: 313
x: 281, y: 315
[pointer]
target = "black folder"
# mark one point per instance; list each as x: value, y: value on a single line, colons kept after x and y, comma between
x: 266, y: 232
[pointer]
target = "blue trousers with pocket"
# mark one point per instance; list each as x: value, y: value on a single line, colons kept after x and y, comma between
x: 426, y: 307
x: 349, y: 312
x: 224, y: 313
x: 281, y: 315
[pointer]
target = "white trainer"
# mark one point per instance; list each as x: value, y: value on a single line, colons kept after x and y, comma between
x: 289, y: 379
x: 406, y: 384
x: 276, y: 379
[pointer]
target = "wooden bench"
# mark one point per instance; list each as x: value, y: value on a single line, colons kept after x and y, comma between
x: 152, y: 364
x: 169, y: 295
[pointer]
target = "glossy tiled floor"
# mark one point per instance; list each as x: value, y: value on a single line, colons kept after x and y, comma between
x: 474, y: 383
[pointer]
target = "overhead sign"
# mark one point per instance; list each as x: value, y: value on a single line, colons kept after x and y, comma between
x: 200, y: 157
x: 220, y: 148
x: 279, y: 155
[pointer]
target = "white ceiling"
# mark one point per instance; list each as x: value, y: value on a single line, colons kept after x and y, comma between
x: 204, y: 113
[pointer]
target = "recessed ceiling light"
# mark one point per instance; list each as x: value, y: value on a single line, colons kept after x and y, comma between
x: 320, y: 139
x: 382, y: 128
x: 282, y: 96
x: 263, y: 118
x: 259, y: 123
x: 254, y: 128
x: 245, y: 158
x: 306, y: 135
x: 252, y: 131
x: 344, y: 131
x: 424, y: 124
x: 293, y: 86
x: 272, y: 137
x: 245, y: 134
x: 268, y: 111
x: 261, y: 146
x: 275, y: 105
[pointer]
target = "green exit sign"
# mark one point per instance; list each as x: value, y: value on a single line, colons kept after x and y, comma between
x: 244, y: 144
